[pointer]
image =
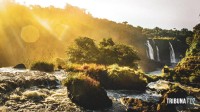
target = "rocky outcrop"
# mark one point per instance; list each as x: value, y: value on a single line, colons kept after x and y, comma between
x: 43, y: 66
x: 20, y: 66
x: 163, y: 106
x: 87, y: 93
x: 137, y: 105
x: 10, y: 81
x: 26, y: 91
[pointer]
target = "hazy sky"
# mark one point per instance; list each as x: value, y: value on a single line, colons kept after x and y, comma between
x: 166, y: 14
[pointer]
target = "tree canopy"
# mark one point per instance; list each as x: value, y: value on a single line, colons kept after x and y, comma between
x: 107, y: 52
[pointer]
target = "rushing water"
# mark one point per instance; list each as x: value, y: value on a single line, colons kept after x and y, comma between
x: 158, y: 55
x: 172, y: 54
x: 55, y: 97
x: 150, y: 50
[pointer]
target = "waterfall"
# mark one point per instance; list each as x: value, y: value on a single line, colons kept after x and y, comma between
x: 150, y: 50
x: 158, y: 56
x: 147, y: 53
x: 172, y: 54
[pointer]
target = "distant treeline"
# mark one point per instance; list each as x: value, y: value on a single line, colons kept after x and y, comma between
x: 59, y: 27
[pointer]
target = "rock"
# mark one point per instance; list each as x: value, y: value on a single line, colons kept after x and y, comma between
x: 173, y: 93
x: 87, y: 92
x: 43, y: 66
x: 10, y: 81
x: 159, y: 86
x: 137, y: 105
x: 36, y: 96
x: 20, y: 66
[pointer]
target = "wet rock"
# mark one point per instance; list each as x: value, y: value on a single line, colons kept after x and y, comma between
x: 26, y: 91
x: 10, y: 81
x: 20, y: 66
x: 177, y: 92
x: 36, y: 96
x: 137, y: 105
x: 87, y: 93
x: 43, y: 66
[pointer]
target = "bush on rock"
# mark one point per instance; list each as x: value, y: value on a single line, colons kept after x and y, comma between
x: 43, y: 66
x: 86, y: 92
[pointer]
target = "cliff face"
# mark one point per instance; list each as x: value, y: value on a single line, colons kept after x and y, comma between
x: 188, y: 69
x: 160, y: 52
x: 192, y: 58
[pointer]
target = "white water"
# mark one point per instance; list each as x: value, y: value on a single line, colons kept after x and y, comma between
x: 158, y: 56
x: 150, y: 51
x: 59, y: 95
x: 12, y: 70
x: 172, y: 54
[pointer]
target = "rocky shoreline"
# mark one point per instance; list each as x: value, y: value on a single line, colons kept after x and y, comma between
x: 25, y: 90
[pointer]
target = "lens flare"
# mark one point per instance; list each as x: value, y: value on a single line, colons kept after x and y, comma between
x: 30, y: 34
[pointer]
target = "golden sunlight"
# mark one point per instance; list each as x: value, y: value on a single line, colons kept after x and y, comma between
x: 30, y: 34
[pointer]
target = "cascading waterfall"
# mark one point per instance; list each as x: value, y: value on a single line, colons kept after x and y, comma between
x: 147, y: 53
x: 158, y: 56
x: 150, y: 50
x: 172, y: 54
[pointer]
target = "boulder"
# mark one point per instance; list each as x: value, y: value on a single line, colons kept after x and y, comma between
x: 138, y: 105
x: 20, y: 66
x: 43, y: 66
x: 87, y: 93
x: 172, y: 93
x: 10, y: 81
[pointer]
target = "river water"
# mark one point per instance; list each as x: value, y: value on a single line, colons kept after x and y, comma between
x: 59, y: 97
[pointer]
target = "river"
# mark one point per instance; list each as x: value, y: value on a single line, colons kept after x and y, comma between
x: 57, y: 100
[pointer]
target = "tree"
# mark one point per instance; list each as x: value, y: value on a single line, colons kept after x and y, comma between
x: 112, y: 53
x: 107, y: 53
x: 196, y: 31
x: 84, y: 51
x: 126, y: 55
x: 125, y: 22
x: 106, y: 42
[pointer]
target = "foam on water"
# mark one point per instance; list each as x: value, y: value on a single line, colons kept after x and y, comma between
x: 12, y: 70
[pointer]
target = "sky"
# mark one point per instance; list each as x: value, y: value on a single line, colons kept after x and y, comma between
x: 166, y: 14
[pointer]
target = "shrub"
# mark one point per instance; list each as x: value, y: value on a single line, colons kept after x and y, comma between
x: 20, y: 66
x: 152, y: 78
x: 184, y: 80
x: 86, y: 92
x: 60, y: 63
x: 43, y: 66
x: 126, y: 78
x: 84, y: 67
x: 195, y: 77
x: 113, y: 76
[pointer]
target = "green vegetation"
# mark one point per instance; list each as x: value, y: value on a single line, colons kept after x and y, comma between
x: 52, y: 31
x: 107, y: 53
x: 159, y: 33
x: 195, y: 77
x: 43, y: 66
x: 113, y: 76
x: 84, y: 51
x: 86, y: 92
x: 187, y: 70
x: 126, y: 78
